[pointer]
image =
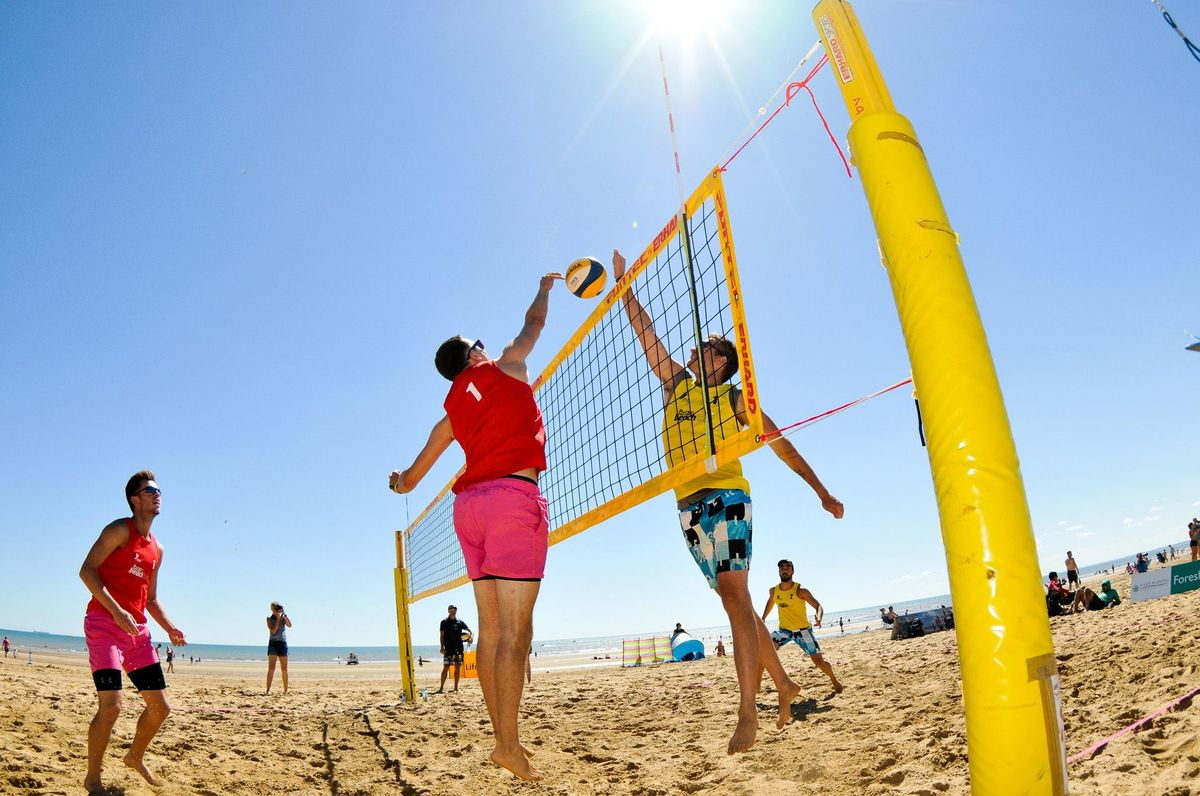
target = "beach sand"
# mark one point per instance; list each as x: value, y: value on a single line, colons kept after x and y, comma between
x: 898, y: 728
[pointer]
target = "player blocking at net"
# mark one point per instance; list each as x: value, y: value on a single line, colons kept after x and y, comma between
x: 714, y: 509
x: 500, y: 517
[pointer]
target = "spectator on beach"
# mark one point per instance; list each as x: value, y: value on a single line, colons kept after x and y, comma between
x: 1171, y: 547
x: 841, y: 626
x: 1194, y: 538
x: 720, y: 648
x: 500, y: 516
x: 891, y: 616
x: 1088, y: 600
x: 170, y: 660
x: 1057, y: 596
x: 277, y: 650
x: 6, y: 647
x: 121, y: 571
x: 1142, y: 563
x: 678, y: 629
x: 792, y: 598
x: 1072, y: 571
x: 450, y: 642
x: 883, y: 616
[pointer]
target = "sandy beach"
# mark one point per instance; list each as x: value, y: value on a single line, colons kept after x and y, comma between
x: 898, y: 727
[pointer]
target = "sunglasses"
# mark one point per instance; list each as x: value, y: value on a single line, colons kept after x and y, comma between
x: 476, y: 346
x: 150, y: 490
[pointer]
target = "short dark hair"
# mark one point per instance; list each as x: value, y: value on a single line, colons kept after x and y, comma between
x: 728, y: 350
x: 135, y: 484
x: 783, y: 561
x: 1053, y: 576
x: 452, y: 357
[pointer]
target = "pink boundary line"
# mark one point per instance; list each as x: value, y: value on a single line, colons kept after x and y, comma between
x: 1096, y: 748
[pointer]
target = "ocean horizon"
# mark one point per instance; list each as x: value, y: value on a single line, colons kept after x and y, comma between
x: 855, y: 620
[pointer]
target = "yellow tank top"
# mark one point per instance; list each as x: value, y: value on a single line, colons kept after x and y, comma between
x: 793, y: 611
x: 684, y: 435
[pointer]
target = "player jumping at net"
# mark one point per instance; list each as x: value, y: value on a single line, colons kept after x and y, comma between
x: 121, y: 572
x: 714, y: 509
x: 791, y: 598
x: 500, y: 516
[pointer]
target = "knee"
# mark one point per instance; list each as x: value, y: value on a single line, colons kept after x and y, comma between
x: 109, y: 712
x: 159, y: 709
x: 732, y: 594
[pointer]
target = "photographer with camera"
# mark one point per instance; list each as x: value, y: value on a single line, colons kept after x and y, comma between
x: 277, y: 624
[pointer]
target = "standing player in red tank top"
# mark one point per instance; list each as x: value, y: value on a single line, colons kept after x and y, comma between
x: 121, y: 572
x: 500, y: 517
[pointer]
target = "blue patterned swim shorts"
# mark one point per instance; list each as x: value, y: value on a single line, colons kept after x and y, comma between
x: 718, y: 532
x: 804, y: 639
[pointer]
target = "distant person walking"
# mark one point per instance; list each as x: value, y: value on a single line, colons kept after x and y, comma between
x: 6, y: 647
x: 278, y: 623
x: 451, y: 642
x: 121, y: 572
x: 170, y: 660
x: 791, y: 598
x: 1072, y: 571
x: 841, y: 626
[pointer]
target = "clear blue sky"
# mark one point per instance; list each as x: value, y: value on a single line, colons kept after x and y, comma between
x: 231, y: 237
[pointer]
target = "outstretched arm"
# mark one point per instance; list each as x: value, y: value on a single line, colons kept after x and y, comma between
x: 807, y: 596
x: 786, y: 451
x: 512, y: 361
x: 770, y: 604
x: 439, y: 439
x: 667, y: 369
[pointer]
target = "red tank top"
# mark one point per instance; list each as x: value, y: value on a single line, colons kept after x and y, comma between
x: 497, y: 422
x: 126, y: 574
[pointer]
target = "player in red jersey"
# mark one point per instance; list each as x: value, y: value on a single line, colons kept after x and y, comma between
x: 500, y: 516
x: 121, y: 572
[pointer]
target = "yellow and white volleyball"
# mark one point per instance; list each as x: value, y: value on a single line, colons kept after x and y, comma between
x: 467, y: 637
x: 585, y: 277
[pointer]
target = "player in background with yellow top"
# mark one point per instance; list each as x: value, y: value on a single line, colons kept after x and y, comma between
x: 791, y: 598
x: 714, y: 509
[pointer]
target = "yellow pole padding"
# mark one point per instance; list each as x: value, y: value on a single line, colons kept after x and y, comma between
x: 1014, y: 729
x: 403, y: 631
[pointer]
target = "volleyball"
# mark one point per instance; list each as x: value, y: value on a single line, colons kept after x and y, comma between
x: 585, y: 277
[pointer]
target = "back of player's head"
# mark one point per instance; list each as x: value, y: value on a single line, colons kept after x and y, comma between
x: 452, y: 357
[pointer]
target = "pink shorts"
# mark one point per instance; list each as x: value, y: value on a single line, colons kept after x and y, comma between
x: 110, y: 647
x: 504, y: 529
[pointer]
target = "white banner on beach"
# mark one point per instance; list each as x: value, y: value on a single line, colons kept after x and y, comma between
x: 1151, y: 585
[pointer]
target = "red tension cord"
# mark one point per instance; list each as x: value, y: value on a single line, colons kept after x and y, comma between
x: 792, y: 90
x: 779, y: 432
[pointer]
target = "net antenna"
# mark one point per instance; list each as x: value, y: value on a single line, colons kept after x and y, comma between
x: 691, y: 269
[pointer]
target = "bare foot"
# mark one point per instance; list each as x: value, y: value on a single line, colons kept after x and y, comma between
x: 92, y: 784
x: 786, y: 696
x: 743, y: 735
x: 139, y: 765
x: 838, y: 687
x: 517, y: 763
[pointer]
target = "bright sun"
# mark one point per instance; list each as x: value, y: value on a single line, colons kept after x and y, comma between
x: 690, y: 19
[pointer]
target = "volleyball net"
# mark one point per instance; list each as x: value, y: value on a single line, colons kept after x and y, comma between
x: 602, y: 404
